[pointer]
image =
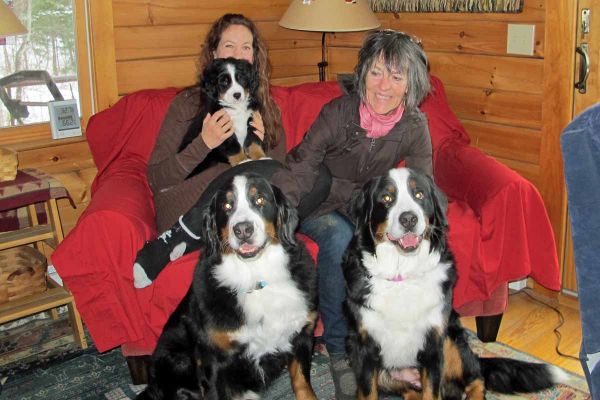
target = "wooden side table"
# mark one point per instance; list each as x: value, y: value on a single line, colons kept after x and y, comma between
x: 30, y: 187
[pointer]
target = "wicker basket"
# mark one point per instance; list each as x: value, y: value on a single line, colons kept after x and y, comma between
x: 22, y: 273
x: 8, y: 164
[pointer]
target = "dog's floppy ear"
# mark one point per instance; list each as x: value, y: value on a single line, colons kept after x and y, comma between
x: 254, y: 79
x: 208, y: 80
x: 209, y: 235
x: 440, y: 204
x: 287, y: 218
x: 361, y: 204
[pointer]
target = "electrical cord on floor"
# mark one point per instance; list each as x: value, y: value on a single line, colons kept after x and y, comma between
x: 561, y: 322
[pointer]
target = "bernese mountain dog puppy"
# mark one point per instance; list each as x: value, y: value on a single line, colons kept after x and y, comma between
x: 231, y: 84
x: 252, y: 306
x: 400, y: 274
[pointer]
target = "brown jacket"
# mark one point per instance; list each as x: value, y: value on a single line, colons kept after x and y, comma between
x: 167, y: 169
x: 337, y: 140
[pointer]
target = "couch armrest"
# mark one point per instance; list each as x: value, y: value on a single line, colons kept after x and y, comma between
x: 95, y: 260
x: 516, y: 236
x: 466, y: 174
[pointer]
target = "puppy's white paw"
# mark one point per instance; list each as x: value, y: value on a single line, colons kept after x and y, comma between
x: 178, y: 251
x: 140, y: 279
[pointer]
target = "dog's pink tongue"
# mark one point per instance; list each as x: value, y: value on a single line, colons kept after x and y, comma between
x: 247, y: 248
x: 409, y: 240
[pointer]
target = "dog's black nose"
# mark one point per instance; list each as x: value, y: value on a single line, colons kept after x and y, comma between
x: 243, y: 230
x: 237, y: 95
x: 408, y: 220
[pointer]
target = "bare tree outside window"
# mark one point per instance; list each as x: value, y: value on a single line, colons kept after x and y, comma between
x: 38, y: 66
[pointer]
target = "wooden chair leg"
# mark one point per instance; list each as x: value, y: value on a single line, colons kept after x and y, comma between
x: 53, y: 313
x: 139, y: 368
x: 77, y: 325
x: 488, y: 327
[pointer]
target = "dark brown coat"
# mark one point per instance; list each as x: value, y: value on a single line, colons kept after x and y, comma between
x: 337, y: 140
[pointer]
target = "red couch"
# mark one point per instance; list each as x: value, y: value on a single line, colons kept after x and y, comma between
x: 499, y: 229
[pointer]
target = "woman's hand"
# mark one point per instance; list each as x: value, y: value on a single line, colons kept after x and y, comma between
x: 258, y: 125
x: 216, y: 128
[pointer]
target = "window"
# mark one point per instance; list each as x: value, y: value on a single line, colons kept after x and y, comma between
x: 43, y: 64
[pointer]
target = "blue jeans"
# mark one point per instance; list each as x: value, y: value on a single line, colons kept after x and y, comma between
x: 332, y: 232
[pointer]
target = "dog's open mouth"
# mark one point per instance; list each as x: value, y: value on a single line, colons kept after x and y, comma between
x: 407, y: 242
x: 248, y: 250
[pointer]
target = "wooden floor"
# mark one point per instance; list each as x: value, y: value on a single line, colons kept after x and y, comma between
x: 527, y: 325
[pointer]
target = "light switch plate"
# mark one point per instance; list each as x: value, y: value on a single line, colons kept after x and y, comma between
x: 520, y: 39
x: 64, y: 119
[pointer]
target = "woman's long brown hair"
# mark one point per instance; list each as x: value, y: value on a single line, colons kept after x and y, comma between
x: 269, y: 110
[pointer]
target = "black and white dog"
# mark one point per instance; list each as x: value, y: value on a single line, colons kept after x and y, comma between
x: 252, y: 306
x: 400, y: 274
x: 231, y: 84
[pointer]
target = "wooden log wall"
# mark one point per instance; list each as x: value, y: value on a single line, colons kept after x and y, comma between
x: 157, y: 42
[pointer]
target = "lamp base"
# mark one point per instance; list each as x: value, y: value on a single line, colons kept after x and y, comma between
x: 322, y: 67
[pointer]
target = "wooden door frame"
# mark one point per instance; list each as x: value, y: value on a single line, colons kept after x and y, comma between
x: 102, y: 49
x: 557, y: 111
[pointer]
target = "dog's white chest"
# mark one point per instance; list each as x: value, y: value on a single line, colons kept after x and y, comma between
x: 239, y: 116
x: 399, y: 313
x: 274, y: 313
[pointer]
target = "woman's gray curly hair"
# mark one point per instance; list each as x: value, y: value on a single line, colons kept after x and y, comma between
x: 400, y: 52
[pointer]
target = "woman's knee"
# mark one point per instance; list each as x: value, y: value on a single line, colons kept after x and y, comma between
x: 331, y: 231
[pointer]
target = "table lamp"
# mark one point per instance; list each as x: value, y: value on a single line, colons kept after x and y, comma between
x: 9, y: 23
x: 329, y: 16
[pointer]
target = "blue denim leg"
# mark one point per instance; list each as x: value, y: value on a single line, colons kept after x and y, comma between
x: 332, y: 232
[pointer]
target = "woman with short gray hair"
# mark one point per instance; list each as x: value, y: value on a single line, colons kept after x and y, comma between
x: 357, y: 137
x: 402, y: 53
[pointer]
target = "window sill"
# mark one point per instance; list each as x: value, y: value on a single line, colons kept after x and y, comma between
x: 40, y: 143
x: 32, y: 137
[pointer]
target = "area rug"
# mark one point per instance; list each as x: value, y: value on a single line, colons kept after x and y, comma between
x: 456, y: 6
x: 72, y: 373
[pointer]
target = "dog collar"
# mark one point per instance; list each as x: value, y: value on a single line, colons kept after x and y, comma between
x: 259, y: 285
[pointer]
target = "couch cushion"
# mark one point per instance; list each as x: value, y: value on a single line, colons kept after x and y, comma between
x: 300, y: 105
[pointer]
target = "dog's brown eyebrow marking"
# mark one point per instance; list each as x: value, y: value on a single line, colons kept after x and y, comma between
x: 253, y: 191
x: 412, y: 183
x: 391, y: 188
x: 229, y: 196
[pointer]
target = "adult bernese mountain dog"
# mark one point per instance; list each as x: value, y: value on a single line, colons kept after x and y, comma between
x: 400, y: 273
x: 252, y: 306
x: 231, y: 84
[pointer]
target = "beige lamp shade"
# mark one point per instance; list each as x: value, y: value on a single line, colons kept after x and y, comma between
x: 9, y: 23
x: 329, y: 16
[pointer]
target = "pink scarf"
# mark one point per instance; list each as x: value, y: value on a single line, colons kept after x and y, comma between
x: 378, y: 125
